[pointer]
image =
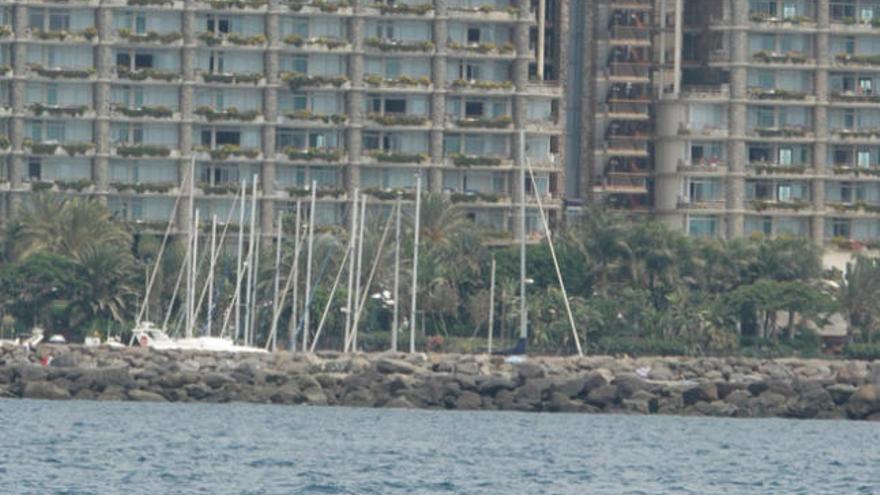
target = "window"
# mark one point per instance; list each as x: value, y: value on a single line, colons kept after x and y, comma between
x: 783, y: 192
x: 59, y: 20
x: 215, y: 62
x: 219, y: 174
x: 35, y: 169
x: 300, y: 101
x: 766, y: 117
x: 840, y: 227
x: 392, y: 68
x: 55, y: 131
x: 300, y: 64
x: 759, y: 154
x: 385, y: 30
x: 220, y: 137
x: 217, y: 24
x: 140, y: 23
x: 702, y: 226
x: 785, y: 155
x: 395, y: 105
x: 49, y: 19
x: 473, y: 35
x: 841, y: 157
x: 789, y: 10
x: 866, y: 85
x: 864, y: 159
x: 849, y: 119
x: 51, y: 94
x: 473, y: 109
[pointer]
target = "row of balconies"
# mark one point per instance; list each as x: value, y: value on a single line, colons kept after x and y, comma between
x: 715, y: 167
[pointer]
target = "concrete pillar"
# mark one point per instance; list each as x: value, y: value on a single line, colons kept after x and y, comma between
x: 438, y: 98
x: 355, y: 98
x: 735, y: 180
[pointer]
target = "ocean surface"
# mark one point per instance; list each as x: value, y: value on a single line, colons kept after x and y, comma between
x: 137, y: 448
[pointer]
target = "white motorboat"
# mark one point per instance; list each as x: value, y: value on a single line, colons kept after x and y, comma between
x: 147, y: 335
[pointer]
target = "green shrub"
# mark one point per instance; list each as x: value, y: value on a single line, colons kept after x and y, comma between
x: 868, y: 352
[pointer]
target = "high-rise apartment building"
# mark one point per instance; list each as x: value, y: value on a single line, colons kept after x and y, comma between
x: 733, y: 117
x: 113, y: 98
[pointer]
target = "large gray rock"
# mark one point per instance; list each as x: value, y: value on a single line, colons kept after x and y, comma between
x: 44, y: 390
x: 469, y: 401
x: 840, y: 392
x: 603, y: 396
x: 389, y: 365
x: 706, y: 392
x: 493, y: 384
x: 864, y: 401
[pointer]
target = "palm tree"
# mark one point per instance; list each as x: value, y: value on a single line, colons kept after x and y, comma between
x: 858, y: 292
x: 600, y: 238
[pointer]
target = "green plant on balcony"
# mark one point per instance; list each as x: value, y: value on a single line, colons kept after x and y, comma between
x: 779, y: 169
x: 838, y: 95
x: 297, y: 80
x: 146, y: 73
x: 149, y: 36
x: 229, y: 150
x: 483, y: 48
x: 4, y: 143
x: 795, y: 205
x: 473, y: 197
x: 308, y: 115
x: 461, y: 160
x: 330, y: 43
x: 777, y: 94
x: 70, y: 111
x: 5, y: 69
x: 88, y: 33
x: 792, y: 57
x: 482, y: 84
x: 142, y: 3
x: 38, y: 186
x: 374, y: 80
x: 486, y: 9
x: 141, y: 150
x: 321, y: 192
x: 787, y: 131
x: 404, y: 9
x: 219, y: 189
x: 397, y: 119
x: 230, y: 113
x: 5, y: 31
x: 77, y: 185
x: 143, y: 187
x: 238, y: 4
x: 396, y: 157
x: 322, y: 5
x: 156, y: 112
x: 857, y: 133
x: 399, y: 46
x: 77, y: 148
x: 62, y: 73
x: 389, y: 194
x: 311, y: 154
x: 213, y: 39
x: 846, y: 58
x: 486, y: 122
x: 232, y: 78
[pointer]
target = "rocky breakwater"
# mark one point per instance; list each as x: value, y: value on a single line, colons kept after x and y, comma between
x: 733, y: 387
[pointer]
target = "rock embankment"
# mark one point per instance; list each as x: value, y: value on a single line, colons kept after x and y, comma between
x: 733, y: 387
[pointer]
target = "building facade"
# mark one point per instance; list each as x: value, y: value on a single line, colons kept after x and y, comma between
x: 775, y: 129
x: 114, y: 98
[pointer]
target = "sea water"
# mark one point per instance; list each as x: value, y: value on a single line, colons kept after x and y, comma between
x: 149, y: 448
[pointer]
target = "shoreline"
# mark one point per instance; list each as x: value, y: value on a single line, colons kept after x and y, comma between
x: 724, y: 387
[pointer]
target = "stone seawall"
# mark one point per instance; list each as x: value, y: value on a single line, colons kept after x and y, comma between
x: 733, y: 387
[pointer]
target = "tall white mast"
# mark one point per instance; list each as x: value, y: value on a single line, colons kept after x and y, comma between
x: 211, y: 270
x: 190, y: 288
x: 309, y: 250
x: 359, y: 269
x: 238, y: 269
x: 277, y: 281
x: 523, y: 320
x: 193, y: 273
x: 415, y: 269
x: 250, y: 263
x: 352, y: 242
x: 297, y: 236
x: 396, y: 292
x: 491, y: 307
x: 252, y: 326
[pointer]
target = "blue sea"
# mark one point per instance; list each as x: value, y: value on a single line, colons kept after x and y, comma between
x: 137, y: 448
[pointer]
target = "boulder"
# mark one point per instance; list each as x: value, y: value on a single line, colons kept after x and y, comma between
x: 597, y: 379
x: 529, y: 370
x: 66, y: 360
x: 603, y: 396
x: 706, y: 392
x: 840, y: 392
x: 389, y: 365
x: 571, y: 387
x: 399, y: 403
x: 469, y: 401
x: 44, y: 390
x: 493, y: 384
x: 864, y: 401
x: 718, y: 408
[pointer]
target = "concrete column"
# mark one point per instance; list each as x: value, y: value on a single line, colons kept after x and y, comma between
x: 355, y: 98
x: 438, y: 98
x: 16, y: 163
x: 735, y: 180
x: 820, y: 148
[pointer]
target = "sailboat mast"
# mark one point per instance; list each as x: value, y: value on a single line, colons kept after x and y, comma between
x: 349, y: 297
x: 277, y: 281
x: 491, y: 307
x: 359, y: 269
x: 190, y: 286
x: 523, y: 317
x: 297, y: 237
x: 193, y: 272
x: 309, y: 250
x: 211, y: 275
x: 415, y: 269
x: 239, y: 267
x: 250, y: 262
x: 396, y: 295
x: 252, y: 325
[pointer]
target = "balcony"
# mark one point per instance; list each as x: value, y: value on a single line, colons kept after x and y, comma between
x: 486, y: 13
x: 779, y: 94
x: 236, y: 78
x: 71, y: 148
x: 394, y: 157
x: 298, y: 80
x: 478, y: 161
x: 312, y: 154
x: 226, y: 152
x: 156, y: 75
x: 399, y: 120
x: 856, y: 134
x: 847, y: 59
x: 39, y: 109
x: 321, y: 44
x: 398, y: 46
x: 710, y: 166
x: 706, y: 92
x: 794, y: 205
x: 630, y: 36
x: 849, y: 170
x: 482, y: 85
x: 142, y: 150
x: 628, y: 72
x: 623, y: 183
x: 628, y: 109
x: 144, y: 188
x: 687, y: 129
x: 144, y: 112
x: 781, y: 132
x: 230, y: 114
x: 626, y: 147
x: 486, y: 123
x: 400, y: 9
x: 315, y: 119
x: 337, y: 7
x: 857, y: 207
x: 62, y: 73
x: 790, y: 57
x: 62, y: 185
x: 152, y: 4
x: 232, y: 40
x: 688, y: 203
x: 422, y: 83
x: 768, y: 168
x: 88, y: 35
x: 489, y: 50
x: 796, y: 22
x: 243, y: 5
x: 150, y: 37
